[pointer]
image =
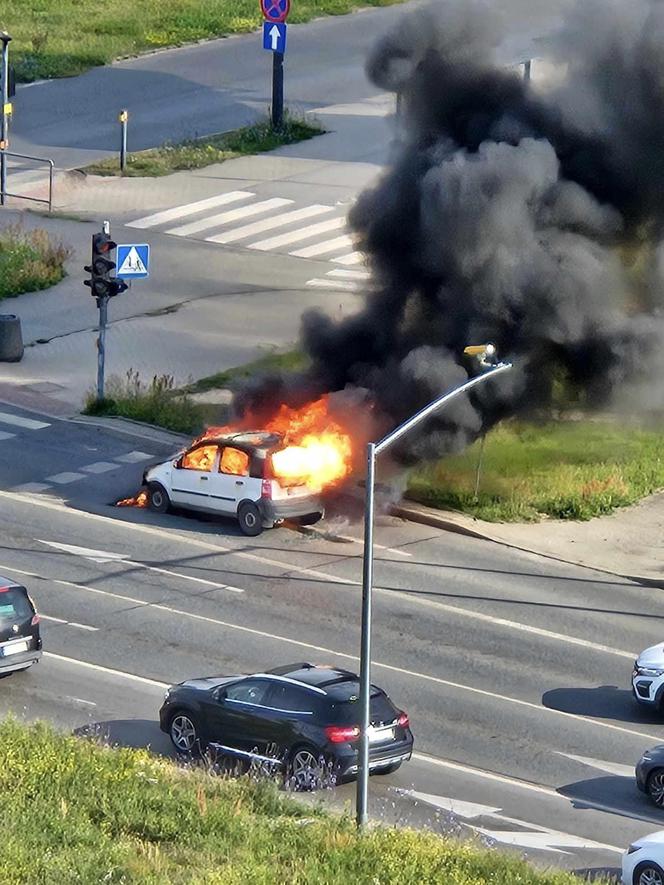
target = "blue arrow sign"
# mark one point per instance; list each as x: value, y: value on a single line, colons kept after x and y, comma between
x: 274, y: 36
x: 133, y: 261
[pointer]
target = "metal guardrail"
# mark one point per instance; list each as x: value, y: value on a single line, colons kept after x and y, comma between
x: 51, y: 165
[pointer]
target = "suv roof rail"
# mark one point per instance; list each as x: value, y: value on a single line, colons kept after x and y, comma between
x: 290, y: 668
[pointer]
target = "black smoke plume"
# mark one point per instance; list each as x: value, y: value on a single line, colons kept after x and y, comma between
x: 533, y: 219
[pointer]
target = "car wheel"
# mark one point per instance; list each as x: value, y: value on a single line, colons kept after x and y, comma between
x: 389, y: 768
x: 183, y: 731
x: 648, y: 873
x: 158, y: 499
x: 249, y: 517
x: 305, y: 770
x: 656, y: 786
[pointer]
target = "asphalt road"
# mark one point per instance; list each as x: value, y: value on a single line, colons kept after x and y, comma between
x: 218, y: 85
x: 514, y: 669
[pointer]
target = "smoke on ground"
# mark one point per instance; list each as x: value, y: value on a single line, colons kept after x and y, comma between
x: 530, y: 220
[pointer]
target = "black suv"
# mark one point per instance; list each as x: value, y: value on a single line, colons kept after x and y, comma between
x: 20, y: 642
x: 303, y: 715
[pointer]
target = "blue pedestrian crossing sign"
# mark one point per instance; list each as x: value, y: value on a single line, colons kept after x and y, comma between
x: 133, y: 261
x: 274, y: 36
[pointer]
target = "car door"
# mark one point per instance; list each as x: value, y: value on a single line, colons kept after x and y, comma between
x: 228, y: 483
x: 241, y: 720
x: 291, y: 709
x: 190, y: 478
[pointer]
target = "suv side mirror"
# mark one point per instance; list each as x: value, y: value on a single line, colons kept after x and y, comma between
x: 220, y: 694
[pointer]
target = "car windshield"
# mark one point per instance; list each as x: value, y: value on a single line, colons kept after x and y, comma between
x: 14, y: 605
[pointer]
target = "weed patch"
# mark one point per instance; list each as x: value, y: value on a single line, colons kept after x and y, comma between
x: 29, y: 261
x: 564, y: 470
x: 201, y: 152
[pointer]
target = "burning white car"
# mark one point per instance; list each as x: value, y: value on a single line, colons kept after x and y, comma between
x: 248, y: 475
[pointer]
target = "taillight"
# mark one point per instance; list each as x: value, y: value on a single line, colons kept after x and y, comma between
x: 341, y: 734
x: 266, y: 489
x: 35, y: 620
x: 403, y: 720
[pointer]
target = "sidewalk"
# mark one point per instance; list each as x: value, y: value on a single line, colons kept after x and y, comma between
x: 629, y: 542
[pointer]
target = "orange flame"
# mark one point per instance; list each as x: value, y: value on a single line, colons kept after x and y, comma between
x: 139, y: 500
x: 317, y: 450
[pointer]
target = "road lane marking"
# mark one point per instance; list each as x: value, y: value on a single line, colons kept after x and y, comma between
x: 402, y: 671
x: 527, y: 834
x: 134, y: 457
x: 20, y: 421
x: 66, y: 477
x: 287, y: 569
x: 351, y: 258
x: 324, y: 247
x: 189, y: 209
x: 109, y: 670
x: 32, y: 487
x: 550, y: 792
x: 222, y: 218
x: 339, y: 285
x: 5, y: 435
x: 600, y: 764
x: 102, y: 556
x: 259, y: 227
x: 100, y: 467
x: 80, y: 700
x: 67, y: 623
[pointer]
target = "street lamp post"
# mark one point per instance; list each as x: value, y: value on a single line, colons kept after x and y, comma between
x: 484, y: 353
x: 5, y: 39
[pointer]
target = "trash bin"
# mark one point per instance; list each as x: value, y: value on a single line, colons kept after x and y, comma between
x: 11, y: 338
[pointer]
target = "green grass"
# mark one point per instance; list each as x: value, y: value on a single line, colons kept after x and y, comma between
x: 29, y: 261
x: 291, y: 361
x: 62, y: 38
x: 200, y: 152
x: 565, y: 470
x: 159, y: 402
x: 76, y: 812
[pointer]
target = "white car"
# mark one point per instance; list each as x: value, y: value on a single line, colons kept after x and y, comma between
x: 233, y: 476
x: 648, y: 677
x: 643, y: 862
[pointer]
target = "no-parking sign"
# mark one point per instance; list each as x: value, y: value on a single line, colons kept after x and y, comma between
x: 275, y: 10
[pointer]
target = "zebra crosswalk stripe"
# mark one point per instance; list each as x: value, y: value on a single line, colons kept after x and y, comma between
x: 258, y: 227
x: 189, y: 209
x: 222, y: 218
x: 324, y: 248
x: 303, y: 233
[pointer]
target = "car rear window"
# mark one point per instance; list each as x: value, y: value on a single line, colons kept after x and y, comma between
x: 14, y: 604
x: 345, y: 708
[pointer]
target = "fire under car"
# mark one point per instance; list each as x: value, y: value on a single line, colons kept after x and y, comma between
x: 233, y: 476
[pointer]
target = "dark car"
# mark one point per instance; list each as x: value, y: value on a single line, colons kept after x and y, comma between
x: 20, y: 642
x: 650, y: 774
x: 303, y: 715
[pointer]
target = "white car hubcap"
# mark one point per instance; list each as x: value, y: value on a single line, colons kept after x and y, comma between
x: 650, y: 876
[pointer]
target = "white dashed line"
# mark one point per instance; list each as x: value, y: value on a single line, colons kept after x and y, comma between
x: 63, y: 478
x: 99, y: 467
x: 5, y: 435
x: 134, y: 457
x: 20, y: 421
x: 32, y: 487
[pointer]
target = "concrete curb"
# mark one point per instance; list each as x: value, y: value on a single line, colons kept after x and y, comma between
x: 133, y: 428
x: 426, y: 517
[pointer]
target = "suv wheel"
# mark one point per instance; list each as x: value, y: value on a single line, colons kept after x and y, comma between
x: 158, y: 499
x: 648, y: 873
x: 184, y: 733
x: 249, y: 517
x: 656, y: 787
x: 305, y: 770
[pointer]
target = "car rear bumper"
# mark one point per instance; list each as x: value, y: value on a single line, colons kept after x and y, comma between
x: 19, y: 661
x: 379, y: 757
x: 293, y: 508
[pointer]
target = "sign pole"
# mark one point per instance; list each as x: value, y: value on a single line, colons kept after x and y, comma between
x: 123, y: 117
x: 277, y: 90
x: 6, y: 111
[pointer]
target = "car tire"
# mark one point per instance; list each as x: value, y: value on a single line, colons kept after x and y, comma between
x: 184, y: 733
x: 648, y: 873
x: 655, y: 787
x: 388, y: 768
x: 158, y: 499
x: 305, y: 769
x: 249, y: 517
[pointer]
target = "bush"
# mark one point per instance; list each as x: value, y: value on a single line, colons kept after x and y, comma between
x: 29, y: 261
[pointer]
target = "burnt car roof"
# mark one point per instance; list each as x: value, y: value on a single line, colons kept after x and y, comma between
x: 257, y: 440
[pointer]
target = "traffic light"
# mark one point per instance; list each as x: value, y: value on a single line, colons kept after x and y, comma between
x: 102, y: 284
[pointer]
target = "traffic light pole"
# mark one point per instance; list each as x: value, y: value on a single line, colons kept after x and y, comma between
x: 101, y: 345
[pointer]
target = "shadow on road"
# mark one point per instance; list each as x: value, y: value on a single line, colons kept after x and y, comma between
x: 612, y: 793
x: 139, y: 734
x: 602, y: 702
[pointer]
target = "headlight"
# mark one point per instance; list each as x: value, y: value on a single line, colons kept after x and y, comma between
x: 633, y: 848
x: 649, y: 671
x: 167, y: 694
